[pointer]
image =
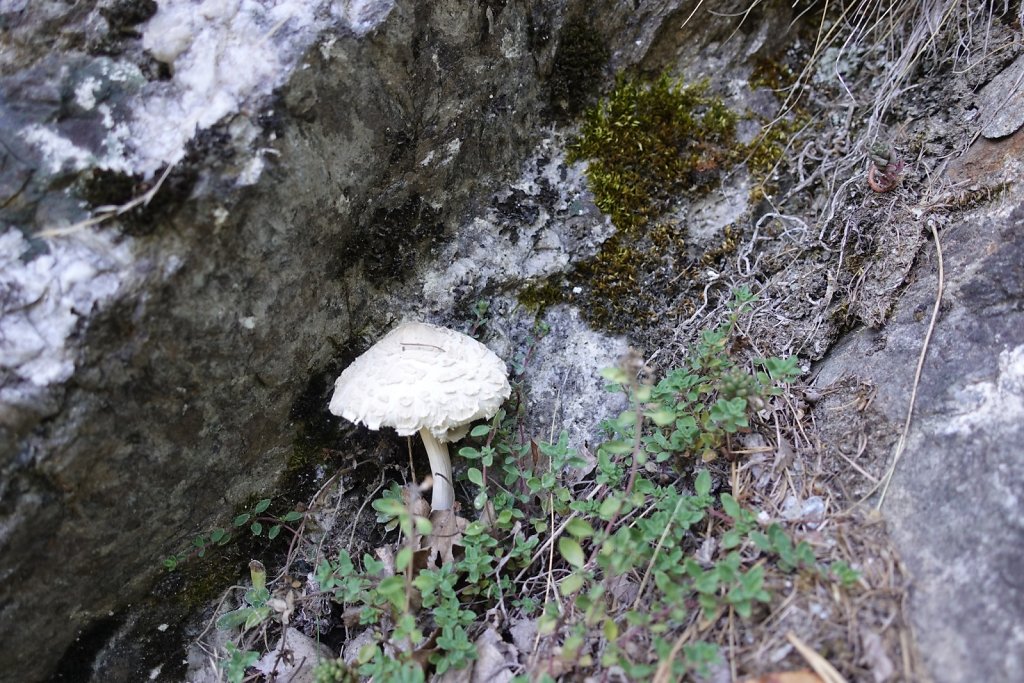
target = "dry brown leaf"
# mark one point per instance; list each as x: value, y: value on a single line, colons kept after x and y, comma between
x: 523, y: 632
x: 446, y: 536
x: 802, y: 676
x: 875, y: 657
x: 622, y: 589
x: 576, y: 475
x: 826, y: 671
x: 414, y: 502
x: 387, y: 558
x: 493, y: 659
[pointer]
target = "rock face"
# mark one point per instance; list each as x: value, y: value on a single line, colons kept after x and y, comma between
x: 293, y: 177
x: 275, y: 178
x: 113, y: 451
x: 955, y: 505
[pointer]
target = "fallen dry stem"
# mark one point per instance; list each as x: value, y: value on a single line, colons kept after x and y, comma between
x: 825, y: 671
x: 104, y: 213
x: 901, y: 444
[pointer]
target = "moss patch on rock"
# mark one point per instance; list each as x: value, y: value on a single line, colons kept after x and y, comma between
x: 647, y: 145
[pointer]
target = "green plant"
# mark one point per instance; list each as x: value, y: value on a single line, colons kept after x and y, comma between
x: 697, y: 407
x: 256, y: 610
x: 255, y: 519
x: 614, y: 554
x: 238, y: 661
x: 334, y: 671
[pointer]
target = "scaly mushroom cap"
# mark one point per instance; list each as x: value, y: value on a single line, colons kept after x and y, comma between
x: 422, y: 376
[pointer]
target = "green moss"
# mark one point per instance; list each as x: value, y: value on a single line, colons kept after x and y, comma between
x: 540, y: 294
x: 647, y: 144
x: 765, y: 153
x: 771, y: 73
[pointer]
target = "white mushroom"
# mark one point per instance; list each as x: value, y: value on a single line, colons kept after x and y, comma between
x: 427, y: 379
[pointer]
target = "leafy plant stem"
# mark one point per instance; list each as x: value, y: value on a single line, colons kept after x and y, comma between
x: 657, y: 551
x: 664, y: 671
x: 637, y: 434
x: 550, y: 542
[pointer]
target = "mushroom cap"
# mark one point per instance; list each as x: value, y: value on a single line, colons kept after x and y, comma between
x: 422, y: 376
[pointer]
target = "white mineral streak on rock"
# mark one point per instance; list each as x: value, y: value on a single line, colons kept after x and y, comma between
x: 58, y: 152
x: 362, y: 16
x: 1000, y: 401
x: 85, y: 93
x: 42, y: 301
x: 484, y: 253
x: 223, y: 54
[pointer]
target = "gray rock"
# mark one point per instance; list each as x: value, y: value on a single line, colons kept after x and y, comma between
x: 954, y: 506
x: 294, y: 658
x: 336, y: 156
x: 1001, y: 102
x: 319, y: 171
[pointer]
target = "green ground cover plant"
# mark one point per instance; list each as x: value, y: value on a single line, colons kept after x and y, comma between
x: 617, y: 558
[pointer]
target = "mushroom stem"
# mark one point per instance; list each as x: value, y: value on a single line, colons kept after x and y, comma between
x: 441, y: 466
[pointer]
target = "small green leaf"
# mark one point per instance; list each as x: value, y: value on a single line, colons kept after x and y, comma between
x: 233, y: 619
x: 580, y: 528
x: 241, y: 519
x: 617, y: 447
x: 372, y: 565
x: 702, y: 484
x: 663, y: 417
x: 393, y: 590
x: 423, y: 526
x: 274, y: 531
x: 480, y: 430
x: 731, y: 539
x: 731, y: 507
x: 625, y: 420
x: 571, y: 551
x: 475, y: 476
x: 570, y: 584
x: 256, y: 617
x: 617, y: 375
x: 367, y: 652
x: 480, y: 500
x: 609, y: 508
x: 403, y: 558
x: 261, y: 506
x: 258, y: 574
x: 389, y: 506
x: 469, y: 453
x: 256, y: 528
x: 761, y: 540
x: 610, y: 630
x: 292, y: 516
